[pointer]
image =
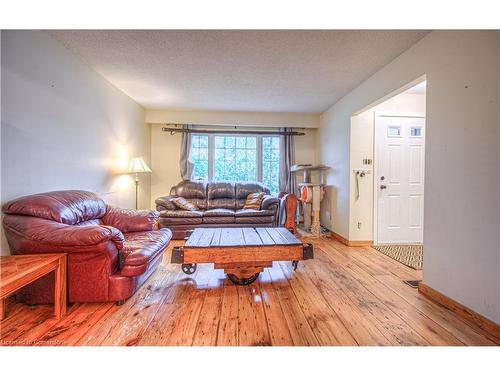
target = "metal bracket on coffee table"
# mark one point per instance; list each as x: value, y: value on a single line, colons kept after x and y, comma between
x: 308, y: 251
x: 177, y: 255
x: 178, y: 258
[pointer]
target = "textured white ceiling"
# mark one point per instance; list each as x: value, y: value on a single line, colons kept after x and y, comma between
x: 237, y: 70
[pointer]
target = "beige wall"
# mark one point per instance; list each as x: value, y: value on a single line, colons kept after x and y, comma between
x: 260, y: 119
x: 165, y: 148
x: 165, y: 152
x: 64, y: 126
x: 462, y: 204
x: 306, y: 149
x: 362, y: 143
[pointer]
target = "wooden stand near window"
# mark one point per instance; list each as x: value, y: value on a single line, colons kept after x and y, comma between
x: 18, y: 271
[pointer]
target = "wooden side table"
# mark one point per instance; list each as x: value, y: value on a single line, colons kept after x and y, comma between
x: 17, y: 271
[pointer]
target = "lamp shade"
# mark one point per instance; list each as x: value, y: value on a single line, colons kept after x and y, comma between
x: 138, y: 165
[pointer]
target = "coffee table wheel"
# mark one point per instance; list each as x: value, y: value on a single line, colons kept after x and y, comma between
x: 243, y: 281
x: 295, y: 263
x: 188, y: 268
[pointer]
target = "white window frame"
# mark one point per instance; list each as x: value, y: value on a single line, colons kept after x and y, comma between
x: 211, y: 151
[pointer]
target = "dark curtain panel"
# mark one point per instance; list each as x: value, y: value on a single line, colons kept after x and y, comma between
x: 186, y: 165
x: 287, y: 159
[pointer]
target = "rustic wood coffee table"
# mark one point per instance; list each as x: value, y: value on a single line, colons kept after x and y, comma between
x: 241, y: 252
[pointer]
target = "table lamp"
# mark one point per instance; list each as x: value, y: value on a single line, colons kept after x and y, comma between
x: 138, y: 165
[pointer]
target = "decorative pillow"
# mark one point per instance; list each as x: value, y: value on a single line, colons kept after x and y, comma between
x: 254, y: 200
x: 183, y: 204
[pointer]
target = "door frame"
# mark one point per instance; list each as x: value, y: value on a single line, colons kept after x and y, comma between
x: 375, y: 161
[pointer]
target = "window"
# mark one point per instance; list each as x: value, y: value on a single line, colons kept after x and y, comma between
x: 271, y: 162
x: 394, y: 131
x: 199, y: 156
x: 237, y: 158
x: 416, y: 131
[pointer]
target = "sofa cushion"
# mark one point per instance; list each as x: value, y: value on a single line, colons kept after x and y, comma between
x: 140, y: 247
x: 169, y: 221
x: 183, y: 204
x: 267, y: 219
x: 200, y: 203
x: 218, y: 212
x: 220, y: 195
x: 251, y: 213
x: 269, y: 203
x: 67, y: 207
x: 194, y: 192
x: 191, y: 189
x: 218, y: 216
x: 177, y: 217
x: 218, y: 219
x: 181, y: 214
x: 253, y: 201
x: 165, y: 203
x: 242, y: 189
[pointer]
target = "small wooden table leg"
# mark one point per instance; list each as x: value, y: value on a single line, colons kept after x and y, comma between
x: 3, y: 306
x: 60, y: 289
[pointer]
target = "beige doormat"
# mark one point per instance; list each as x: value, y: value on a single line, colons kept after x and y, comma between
x: 409, y: 255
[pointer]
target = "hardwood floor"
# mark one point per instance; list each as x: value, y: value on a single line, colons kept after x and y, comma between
x: 345, y: 296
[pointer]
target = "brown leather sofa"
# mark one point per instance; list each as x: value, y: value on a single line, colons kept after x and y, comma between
x: 111, y: 251
x: 219, y: 203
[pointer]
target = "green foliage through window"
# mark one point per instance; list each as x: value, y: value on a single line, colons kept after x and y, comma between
x: 271, y: 162
x: 199, y: 156
x: 236, y: 158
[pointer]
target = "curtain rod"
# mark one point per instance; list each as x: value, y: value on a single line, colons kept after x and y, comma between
x: 255, y: 132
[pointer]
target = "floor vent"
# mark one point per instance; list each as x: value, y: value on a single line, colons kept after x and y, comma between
x: 412, y: 283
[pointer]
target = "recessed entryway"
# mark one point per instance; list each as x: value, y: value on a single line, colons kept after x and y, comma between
x: 387, y: 179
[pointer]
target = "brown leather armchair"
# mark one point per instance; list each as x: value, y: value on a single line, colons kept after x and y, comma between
x: 111, y: 251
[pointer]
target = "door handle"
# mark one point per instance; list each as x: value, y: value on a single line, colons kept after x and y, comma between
x: 382, y: 187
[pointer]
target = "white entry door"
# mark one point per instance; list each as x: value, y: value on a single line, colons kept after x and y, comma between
x: 399, y: 179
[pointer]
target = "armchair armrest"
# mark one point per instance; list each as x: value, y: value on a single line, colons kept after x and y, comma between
x: 42, y: 233
x: 164, y: 203
x: 287, y: 213
x: 127, y: 220
x: 269, y: 203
